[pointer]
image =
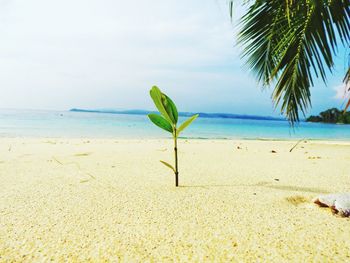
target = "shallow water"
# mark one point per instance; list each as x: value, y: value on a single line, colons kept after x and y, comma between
x: 34, y: 123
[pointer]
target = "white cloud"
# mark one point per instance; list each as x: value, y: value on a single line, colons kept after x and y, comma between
x: 341, y: 92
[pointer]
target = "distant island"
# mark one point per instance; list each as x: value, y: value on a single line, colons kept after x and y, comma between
x: 332, y: 115
x: 184, y: 114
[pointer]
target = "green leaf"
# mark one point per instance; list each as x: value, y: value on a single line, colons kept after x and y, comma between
x: 347, y: 85
x: 186, y: 123
x: 288, y: 44
x: 156, y: 96
x: 168, y: 165
x: 160, y: 122
x: 347, y: 106
x: 170, y: 108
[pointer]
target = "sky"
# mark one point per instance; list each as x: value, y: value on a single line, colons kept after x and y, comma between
x: 92, y: 54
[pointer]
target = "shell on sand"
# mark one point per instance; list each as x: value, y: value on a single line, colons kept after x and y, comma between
x: 339, y: 203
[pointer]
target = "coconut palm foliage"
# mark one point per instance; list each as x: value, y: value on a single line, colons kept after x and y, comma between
x: 167, y: 120
x: 289, y: 43
x: 347, y: 84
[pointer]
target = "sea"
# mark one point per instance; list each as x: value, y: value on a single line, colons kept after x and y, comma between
x: 68, y: 124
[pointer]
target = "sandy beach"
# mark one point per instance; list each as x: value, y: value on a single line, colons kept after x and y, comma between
x: 100, y: 200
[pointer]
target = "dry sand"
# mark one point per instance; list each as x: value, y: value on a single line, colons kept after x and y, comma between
x: 94, y: 200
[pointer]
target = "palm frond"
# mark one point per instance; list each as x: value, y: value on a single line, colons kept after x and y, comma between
x: 347, y: 85
x: 289, y: 43
x: 347, y: 77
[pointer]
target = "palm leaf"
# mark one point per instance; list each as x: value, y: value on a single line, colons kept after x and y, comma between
x: 347, y: 106
x: 347, y: 85
x: 289, y: 43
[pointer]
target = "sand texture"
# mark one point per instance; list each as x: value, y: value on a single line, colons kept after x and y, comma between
x: 107, y: 200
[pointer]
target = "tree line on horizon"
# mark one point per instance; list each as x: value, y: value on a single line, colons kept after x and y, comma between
x: 332, y: 115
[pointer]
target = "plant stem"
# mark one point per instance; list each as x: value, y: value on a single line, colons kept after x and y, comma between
x: 176, y: 165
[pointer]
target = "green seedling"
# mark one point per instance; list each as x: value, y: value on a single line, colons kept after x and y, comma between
x: 167, y: 120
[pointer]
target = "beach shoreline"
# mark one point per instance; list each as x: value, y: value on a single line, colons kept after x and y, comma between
x: 163, y: 138
x: 50, y: 124
x: 82, y: 199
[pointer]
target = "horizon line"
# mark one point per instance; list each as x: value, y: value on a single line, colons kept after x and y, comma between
x: 221, y: 115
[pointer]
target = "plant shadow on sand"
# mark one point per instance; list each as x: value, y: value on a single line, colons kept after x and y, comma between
x: 292, y: 188
x: 289, y: 188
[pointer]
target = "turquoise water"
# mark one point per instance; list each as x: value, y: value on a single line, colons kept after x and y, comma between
x: 29, y: 123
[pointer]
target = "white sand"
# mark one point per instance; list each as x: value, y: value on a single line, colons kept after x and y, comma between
x: 80, y: 200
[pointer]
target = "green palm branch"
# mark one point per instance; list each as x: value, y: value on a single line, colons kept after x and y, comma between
x: 347, y: 85
x: 290, y: 43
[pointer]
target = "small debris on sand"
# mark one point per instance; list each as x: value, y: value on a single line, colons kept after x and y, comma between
x: 314, y: 157
x: 162, y: 150
x: 296, y: 200
x: 84, y: 181
x: 50, y: 142
x: 82, y: 154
